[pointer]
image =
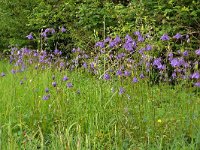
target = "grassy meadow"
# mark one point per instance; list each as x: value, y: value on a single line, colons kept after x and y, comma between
x: 94, y: 113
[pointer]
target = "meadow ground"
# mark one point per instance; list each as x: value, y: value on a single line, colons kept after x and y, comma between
x: 83, y: 112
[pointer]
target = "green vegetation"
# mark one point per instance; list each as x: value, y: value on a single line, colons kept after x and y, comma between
x: 88, y: 21
x: 99, y: 74
x: 93, y: 115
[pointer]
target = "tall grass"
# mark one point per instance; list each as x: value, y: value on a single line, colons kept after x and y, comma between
x: 93, y: 114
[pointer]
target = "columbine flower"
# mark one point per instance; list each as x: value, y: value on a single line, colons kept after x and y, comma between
x: 164, y: 37
x: 54, y: 84
x: 65, y: 78
x: 177, y: 36
x: 106, y: 76
x: 30, y: 36
x: 197, y: 52
x: 3, y: 74
x: 69, y: 85
x: 121, y: 90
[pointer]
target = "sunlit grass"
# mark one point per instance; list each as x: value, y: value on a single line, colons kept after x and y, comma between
x: 93, y: 115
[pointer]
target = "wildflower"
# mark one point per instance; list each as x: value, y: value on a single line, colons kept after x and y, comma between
x: 164, y: 37
x: 177, y: 36
x: 85, y: 65
x: 119, y: 73
x: 30, y: 36
x: 47, y: 90
x: 63, y: 29
x: 65, y: 78
x: 62, y: 64
x: 121, y: 90
x: 140, y: 38
x: 54, y: 84
x: 137, y: 33
x: 141, y: 75
x: 195, y: 75
x: 197, y: 84
x: 99, y: 44
x: 127, y: 73
x: 175, y: 62
x: 46, y: 97
x: 135, y: 80
x: 106, y: 76
x: 3, y: 74
x: 185, y: 53
x: 107, y: 39
x: 13, y: 71
x: 148, y: 47
x: 69, y: 85
x: 159, y: 120
x: 197, y: 52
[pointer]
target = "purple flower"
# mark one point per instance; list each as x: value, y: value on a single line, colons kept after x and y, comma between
x: 85, y: 65
x: 164, y: 37
x: 195, y: 75
x: 148, y: 47
x: 177, y: 36
x: 106, y: 76
x: 69, y: 85
x: 107, y: 40
x: 141, y: 75
x: 137, y: 33
x: 63, y: 29
x: 99, y: 44
x: 3, y: 74
x: 197, y: 84
x: 175, y: 62
x: 135, y: 80
x: 174, y: 75
x: 185, y: 53
x: 197, y: 52
x: 119, y: 73
x: 46, y: 97
x: 140, y: 38
x: 65, y: 78
x: 57, y: 52
x: 54, y: 84
x: 47, y: 90
x: 127, y: 73
x: 62, y: 64
x: 13, y: 71
x: 30, y: 36
x: 121, y: 90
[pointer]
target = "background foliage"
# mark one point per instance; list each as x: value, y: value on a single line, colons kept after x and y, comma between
x: 88, y: 21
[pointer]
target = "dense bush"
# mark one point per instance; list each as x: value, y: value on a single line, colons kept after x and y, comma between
x: 88, y: 21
